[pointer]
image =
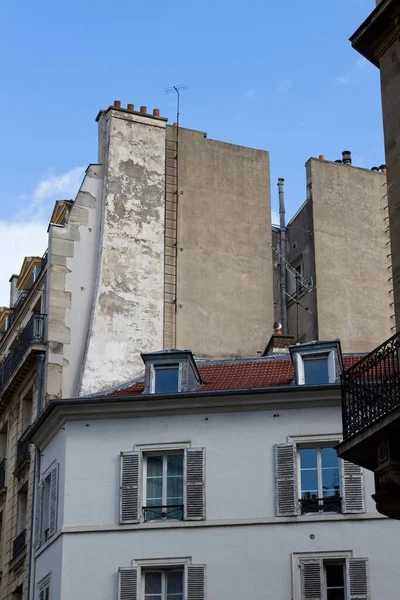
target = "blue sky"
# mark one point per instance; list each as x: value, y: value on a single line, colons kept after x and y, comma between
x: 278, y: 75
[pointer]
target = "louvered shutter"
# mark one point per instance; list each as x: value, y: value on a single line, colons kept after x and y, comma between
x: 194, y: 483
x: 195, y: 582
x: 41, y: 594
x: 311, y: 579
x: 352, y: 488
x: 287, y: 502
x: 53, y: 501
x: 128, y: 584
x: 357, y: 577
x: 38, y: 515
x: 129, y: 490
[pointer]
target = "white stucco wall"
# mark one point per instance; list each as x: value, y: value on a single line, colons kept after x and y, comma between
x: 127, y: 311
x: 247, y: 550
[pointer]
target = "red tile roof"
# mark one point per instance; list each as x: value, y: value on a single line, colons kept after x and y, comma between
x: 239, y: 374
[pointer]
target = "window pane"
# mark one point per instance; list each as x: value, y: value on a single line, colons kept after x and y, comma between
x: 154, y: 480
x: 175, y: 479
x: 330, y: 481
x: 335, y: 594
x: 174, y: 583
x: 309, y: 483
x: 334, y: 575
x: 316, y: 370
x: 166, y: 379
x: 154, y: 466
x: 308, y: 458
x: 329, y: 458
x: 152, y: 583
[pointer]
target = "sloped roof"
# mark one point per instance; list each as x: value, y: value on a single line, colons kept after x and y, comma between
x: 237, y: 374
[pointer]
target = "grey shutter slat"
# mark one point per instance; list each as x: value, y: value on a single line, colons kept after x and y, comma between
x: 358, y: 578
x: 195, y: 582
x: 311, y: 579
x: 38, y: 515
x: 194, y: 479
x: 53, y: 501
x: 128, y: 582
x: 352, y: 488
x: 287, y: 503
x: 41, y: 595
x: 129, y: 490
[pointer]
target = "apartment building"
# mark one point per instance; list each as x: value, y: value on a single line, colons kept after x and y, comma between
x: 338, y: 258
x: 138, y: 260
x: 209, y: 479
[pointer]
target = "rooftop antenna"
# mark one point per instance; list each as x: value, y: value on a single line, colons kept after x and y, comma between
x: 177, y: 89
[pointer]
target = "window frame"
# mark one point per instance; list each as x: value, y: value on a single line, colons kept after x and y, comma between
x: 43, y: 586
x: 164, y: 453
x: 318, y: 446
x: 163, y: 569
x: 343, y: 556
x: 165, y: 366
x: 301, y: 357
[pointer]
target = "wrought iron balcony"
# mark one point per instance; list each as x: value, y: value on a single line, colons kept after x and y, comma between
x: 33, y: 333
x: 19, y: 543
x: 329, y: 504
x: 23, y: 454
x: 3, y: 474
x: 371, y: 388
x: 163, y: 513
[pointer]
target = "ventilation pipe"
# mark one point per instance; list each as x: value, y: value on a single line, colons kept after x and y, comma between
x: 346, y: 154
x: 283, y: 255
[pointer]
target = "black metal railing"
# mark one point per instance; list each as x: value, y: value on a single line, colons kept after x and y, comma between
x: 17, y: 306
x: 19, y: 543
x: 163, y: 513
x: 33, y: 333
x: 371, y: 387
x: 3, y: 474
x: 317, y: 505
x: 23, y: 452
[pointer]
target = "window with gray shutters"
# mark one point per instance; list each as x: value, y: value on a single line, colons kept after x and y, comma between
x: 186, y: 582
x: 158, y: 486
x: 46, y: 503
x: 43, y: 588
x: 334, y: 578
x: 310, y: 479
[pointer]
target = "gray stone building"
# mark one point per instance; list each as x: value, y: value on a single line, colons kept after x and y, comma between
x: 338, y: 254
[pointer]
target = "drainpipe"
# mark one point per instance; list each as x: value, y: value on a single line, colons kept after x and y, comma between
x: 36, y: 480
x: 283, y: 255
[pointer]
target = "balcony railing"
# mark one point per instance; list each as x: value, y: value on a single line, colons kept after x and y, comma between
x: 19, y: 543
x: 33, y: 333
x: 23, y: 453
x: 163, y: 513
x: 321, y: 505
x: 3, y: 474
x: 371, y: 387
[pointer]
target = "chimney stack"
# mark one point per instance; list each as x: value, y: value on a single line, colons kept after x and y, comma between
x: 346, y: 154
x: 14, y: 293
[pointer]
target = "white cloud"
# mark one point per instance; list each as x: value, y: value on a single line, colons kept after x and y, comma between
x: 343, y: 79
x: 17, y: 240
x: 250, y: 93
x: 65, y: 185
x: 25, y: 233
x: 275, y: 217
x: 284, y: 86
x: 362, y: 62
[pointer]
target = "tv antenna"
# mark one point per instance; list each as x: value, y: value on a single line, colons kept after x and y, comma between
x: 177, y: 89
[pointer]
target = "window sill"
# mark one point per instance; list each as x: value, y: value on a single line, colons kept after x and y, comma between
x: 48, y: 543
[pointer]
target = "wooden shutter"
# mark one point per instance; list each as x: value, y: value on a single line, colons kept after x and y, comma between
x: 352, y: 488
x: 194, y: 483
x: 312, y: 584
x: 357, y: 577
x: 53, y: 501
x: 195, y: 582
x: 129, y: 490
x: 128, y: 583
x: 287, y: 503
x: 38, y: 515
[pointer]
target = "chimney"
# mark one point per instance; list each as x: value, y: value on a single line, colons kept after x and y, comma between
x: 277, y: 328
x: 14, y: 293
x: 321, y: 157
x: 346, y: 154
x: 278, y: 343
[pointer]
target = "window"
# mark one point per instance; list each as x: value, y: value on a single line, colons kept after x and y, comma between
x: 22, y: 508
x: 309, y: 478
x: 46, y: 506
x: 166, y: 379
x: 18, y: 593
x: 157, y: 486
x: 319, y: 480
x: 316, y: 369
x: 334, y: 577
x: 164, y: 487
x: 163, y: 585
x: 44, y: 588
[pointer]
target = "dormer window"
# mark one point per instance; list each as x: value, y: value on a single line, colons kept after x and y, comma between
x: 170, y: 372
x: 165, y: 379
x: 317, y: 363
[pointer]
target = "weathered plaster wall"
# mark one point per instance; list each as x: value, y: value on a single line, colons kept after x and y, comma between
x: 72, y: 258
x: 224, y: 269
x: 351, y: 254
x: 127, y: 311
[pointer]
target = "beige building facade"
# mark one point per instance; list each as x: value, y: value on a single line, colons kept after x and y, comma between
x: 338, y: 253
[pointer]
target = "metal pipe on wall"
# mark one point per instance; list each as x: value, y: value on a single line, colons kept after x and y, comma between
x: 283, y: 283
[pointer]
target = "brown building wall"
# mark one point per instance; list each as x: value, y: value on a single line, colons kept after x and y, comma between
x: 224, y: 271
